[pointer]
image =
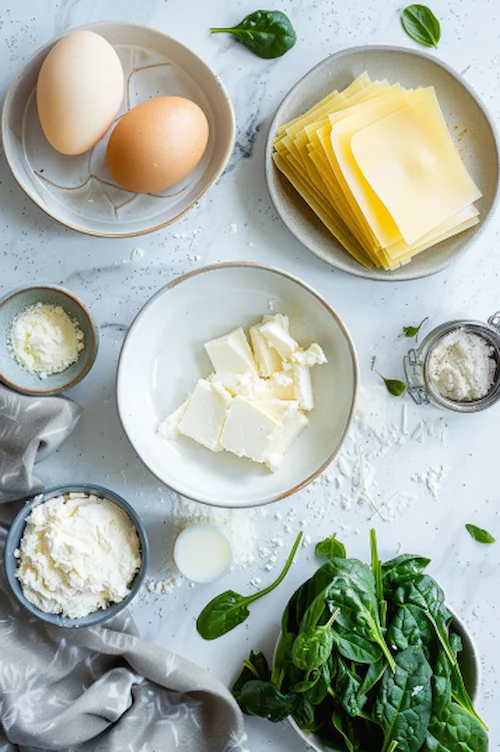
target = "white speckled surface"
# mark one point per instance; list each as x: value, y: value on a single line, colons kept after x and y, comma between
x: 236, y: 221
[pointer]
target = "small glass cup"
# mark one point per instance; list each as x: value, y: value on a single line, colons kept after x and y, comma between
x: 416, y: 365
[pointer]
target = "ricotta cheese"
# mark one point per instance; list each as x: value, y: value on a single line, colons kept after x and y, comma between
x: 462, y: 366
x: 45, y: 340
x: 78, y: 554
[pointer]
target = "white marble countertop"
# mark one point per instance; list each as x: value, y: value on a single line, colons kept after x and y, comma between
x: 33, y: 248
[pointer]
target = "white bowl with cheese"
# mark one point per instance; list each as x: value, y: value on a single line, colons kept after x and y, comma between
x: 165, y: 370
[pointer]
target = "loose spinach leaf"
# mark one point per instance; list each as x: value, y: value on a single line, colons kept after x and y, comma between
x: 229, y: 609
x: 313, y: 646
x: 413, y: 331
x: 393, y: 386
x: 261, y: 698
x: 330, y: 548
x: 455, y: 731
x: 404, y: 702
x: 480, y: 535
x: 410, y: 627
x: 319, y: 691
x: 303, y: 598
x: 441, y: 684
x: 421, y: 24
x: 303, y: 714
x: 255, y: 667
x: 345, y: 727
x: 426, y: 594
x: 353, y: 591
x: 267, y: 33
x: 460, y: 694
x: 305, y: 685
x: 400, y: 570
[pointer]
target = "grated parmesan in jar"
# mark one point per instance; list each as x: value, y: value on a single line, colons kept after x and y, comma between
x: 462, y: 367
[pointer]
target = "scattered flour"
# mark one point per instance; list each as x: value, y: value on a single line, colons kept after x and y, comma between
x: 137, y: 254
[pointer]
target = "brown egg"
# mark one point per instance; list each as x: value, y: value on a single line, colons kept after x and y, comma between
x: 157, y: 143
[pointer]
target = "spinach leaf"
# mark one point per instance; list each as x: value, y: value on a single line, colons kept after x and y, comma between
x: 410, y: 626
x: 413, y: 331
x: 304, y: 596
x: 372, y: 677
x: 267, y: 33
x: 393, y: 386
x: 456, y: 731
x: 402, y: 569
x: 313, y: 646
x: 282, y: 658
x: 441, y: 684
x: 330, y: 548
x: 377, y: 575
x: 255, y: 667
x: 305, y: 685
x: 460, y: 694
x: 261, y: 698
x: 354, y: 647
x: 345, y: 727
x: 319, y: 691
x: 426, y: 594
x: 229, y: 609
x: 421, y: 24
x: 346, y: 687
x: 404, y: 702
x: 480, y: 535
x: 353, y: 592
x: 303, y: 714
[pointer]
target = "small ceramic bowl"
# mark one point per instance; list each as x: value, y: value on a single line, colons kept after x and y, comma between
x: 163, y: 357
x: 471, y: 127
x: 79, y: 191
x: 14, y: 539
x: 25, y: 382
x: 470, y: 667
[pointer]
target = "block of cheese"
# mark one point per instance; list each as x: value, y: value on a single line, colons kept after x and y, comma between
x: 237, y: 410
x: 205, y: 414
x: 231, y: 353
x: 412, y: 164
x: 249, y: 431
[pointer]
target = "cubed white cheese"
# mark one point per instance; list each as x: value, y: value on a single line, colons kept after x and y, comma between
x: 231, y: 353
x: 247, y: 384
x: 278, y: 318
x: 205, y: 414
x: 281, y: 385
x: 302, y: 386
x: 249, y: 431
x: 280, y: 410
x: 278, y: 338
x: 267, y: 358
x: 169, y: 429
x: 313, y: 356
x: 284, y: 440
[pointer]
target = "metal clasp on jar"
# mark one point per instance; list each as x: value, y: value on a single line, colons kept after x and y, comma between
x: 414, y: 380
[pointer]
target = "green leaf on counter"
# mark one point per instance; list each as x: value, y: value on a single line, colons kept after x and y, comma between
x: 267, y: 33
x: 229, y: 609
x: 393, y: 386
x: 480, y: 535
x: 413, y: 331
x: 330, y: 548
x: 421, y: 25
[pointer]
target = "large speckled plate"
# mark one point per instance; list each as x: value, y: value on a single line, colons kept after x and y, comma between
x: 470, y: 124
x: 79, y: 190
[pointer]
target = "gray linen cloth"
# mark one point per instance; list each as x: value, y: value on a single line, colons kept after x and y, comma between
x: 100, y: 689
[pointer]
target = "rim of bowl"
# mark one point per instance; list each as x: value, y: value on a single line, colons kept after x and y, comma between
x: 313, y: 743
x: 362, y: 272
x: 94, y: 27
x: 340, y: 323
x: 12, y: 542
x: 93, y: 350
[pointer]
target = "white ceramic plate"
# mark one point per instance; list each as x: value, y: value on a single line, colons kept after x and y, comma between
x: 79, y: 190
x: 470, y: 124
x: 163, y: 356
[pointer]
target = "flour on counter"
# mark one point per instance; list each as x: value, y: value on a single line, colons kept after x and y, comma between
x: 385, y: 434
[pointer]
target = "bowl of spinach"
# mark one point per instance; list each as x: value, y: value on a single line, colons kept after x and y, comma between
x: 369, y: 659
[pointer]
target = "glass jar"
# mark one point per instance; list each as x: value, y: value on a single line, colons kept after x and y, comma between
x: 416, y: 365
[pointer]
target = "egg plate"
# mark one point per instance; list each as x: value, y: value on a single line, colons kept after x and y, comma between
x: 79, y: 190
